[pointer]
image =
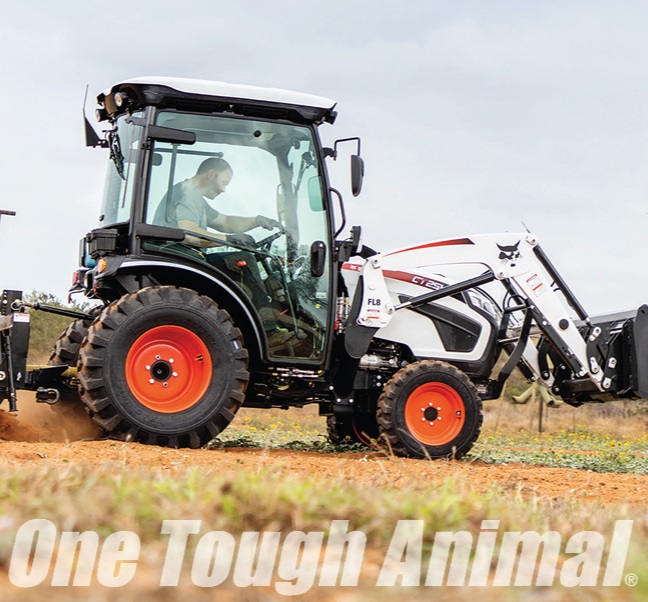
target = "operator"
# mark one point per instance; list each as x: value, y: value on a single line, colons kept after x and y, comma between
x: 185, y: 207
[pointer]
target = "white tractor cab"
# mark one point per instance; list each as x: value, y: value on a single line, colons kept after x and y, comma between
x: 224, y: 281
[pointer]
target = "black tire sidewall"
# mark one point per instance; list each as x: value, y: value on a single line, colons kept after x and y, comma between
x: 69, y: 344
x: 465, y: 436
x: 221, y: 348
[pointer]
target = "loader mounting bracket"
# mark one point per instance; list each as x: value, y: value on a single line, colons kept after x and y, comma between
x: 638, y: 358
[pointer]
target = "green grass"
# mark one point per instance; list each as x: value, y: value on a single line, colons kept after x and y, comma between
x: 582, y: 449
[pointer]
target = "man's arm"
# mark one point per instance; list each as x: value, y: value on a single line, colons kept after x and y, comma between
x: 238, y: 224
x: 185, y: 224
x: 232, y: 224
x: 239, y: 239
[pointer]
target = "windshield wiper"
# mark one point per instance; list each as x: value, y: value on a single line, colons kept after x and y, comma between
x: 116, y: 155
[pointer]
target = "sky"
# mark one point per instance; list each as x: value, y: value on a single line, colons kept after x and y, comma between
x: 474, y: 117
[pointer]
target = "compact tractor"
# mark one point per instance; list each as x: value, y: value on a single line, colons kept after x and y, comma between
x: 274, y: 308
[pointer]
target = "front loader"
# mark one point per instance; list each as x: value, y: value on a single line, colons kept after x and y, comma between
x: 399, y: 346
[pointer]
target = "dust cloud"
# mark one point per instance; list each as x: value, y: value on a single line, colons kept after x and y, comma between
x: 41, y: 422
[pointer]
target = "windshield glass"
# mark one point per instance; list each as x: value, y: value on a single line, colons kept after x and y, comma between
x: 118, y: 189
x: 248, y: 195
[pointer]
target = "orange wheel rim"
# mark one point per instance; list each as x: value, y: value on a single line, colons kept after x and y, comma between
x: 435, y: 413
x: 168, y: 369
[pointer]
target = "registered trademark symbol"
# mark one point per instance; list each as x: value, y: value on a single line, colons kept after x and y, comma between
x: 631, y: 579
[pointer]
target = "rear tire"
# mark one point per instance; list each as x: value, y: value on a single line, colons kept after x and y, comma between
x: 163, y: 366
x: 66, y: 353
x: 430, y: 409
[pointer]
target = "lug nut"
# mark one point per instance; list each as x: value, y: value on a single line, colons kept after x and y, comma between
x: 175, y: 374
x: 151, y: 381
x: 170, y: 360
x: 148, y: 367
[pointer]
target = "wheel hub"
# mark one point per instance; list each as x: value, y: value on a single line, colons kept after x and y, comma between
x: 430, y: 414
x: 161, y: 370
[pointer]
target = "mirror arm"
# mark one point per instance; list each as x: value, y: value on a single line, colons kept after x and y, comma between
x: 341, y: 140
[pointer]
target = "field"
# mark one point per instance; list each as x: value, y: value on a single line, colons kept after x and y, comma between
x: 275, y: 471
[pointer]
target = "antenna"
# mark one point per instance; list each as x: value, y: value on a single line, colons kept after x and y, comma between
x: 6, y: 212
x: 525, y: 227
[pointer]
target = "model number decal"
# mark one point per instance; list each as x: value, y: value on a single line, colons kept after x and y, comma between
x: 430, y: 283
x: 427, y: 283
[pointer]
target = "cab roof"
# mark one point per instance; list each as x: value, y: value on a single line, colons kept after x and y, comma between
x: 210, y: 96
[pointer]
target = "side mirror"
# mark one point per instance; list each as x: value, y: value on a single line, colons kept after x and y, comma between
x: 357, y: 165
x: 357, y: 174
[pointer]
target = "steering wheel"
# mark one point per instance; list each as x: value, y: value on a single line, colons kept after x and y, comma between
x: 298, y: 266
x: 265, y: 243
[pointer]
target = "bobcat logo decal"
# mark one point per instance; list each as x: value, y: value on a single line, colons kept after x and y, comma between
x: 510, y: 253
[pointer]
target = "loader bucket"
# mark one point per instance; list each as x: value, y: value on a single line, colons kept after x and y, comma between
x: 640, y: 359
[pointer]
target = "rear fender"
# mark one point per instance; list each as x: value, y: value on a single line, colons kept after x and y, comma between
x: 133, y: 274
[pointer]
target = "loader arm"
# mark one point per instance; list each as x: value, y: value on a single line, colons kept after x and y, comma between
x: 515, y: 260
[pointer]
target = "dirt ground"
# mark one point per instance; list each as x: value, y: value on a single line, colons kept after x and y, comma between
x: 24, y: 443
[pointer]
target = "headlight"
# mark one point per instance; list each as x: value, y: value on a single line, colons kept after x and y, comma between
x: 121, y: 99
x: 480, y: 300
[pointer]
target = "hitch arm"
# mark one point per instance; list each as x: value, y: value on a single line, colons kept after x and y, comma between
x: 61, y: 311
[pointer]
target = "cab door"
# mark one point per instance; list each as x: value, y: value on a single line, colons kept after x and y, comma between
x: 285, y: 271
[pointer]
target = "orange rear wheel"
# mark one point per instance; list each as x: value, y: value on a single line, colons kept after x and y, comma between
x: 163, y: 366
x: 168, y: 369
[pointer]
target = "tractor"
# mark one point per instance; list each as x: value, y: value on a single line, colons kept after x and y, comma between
x: 223, y: 279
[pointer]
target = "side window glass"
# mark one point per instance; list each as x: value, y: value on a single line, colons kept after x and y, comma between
x: 248, y: 196
x: 118, y: 191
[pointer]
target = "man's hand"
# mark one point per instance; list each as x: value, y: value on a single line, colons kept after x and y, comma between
x: 241, y: 239
x: 266, y: 222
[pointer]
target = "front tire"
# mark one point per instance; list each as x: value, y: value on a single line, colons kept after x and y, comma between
x: 163, y: 366
x: 430, y: 409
